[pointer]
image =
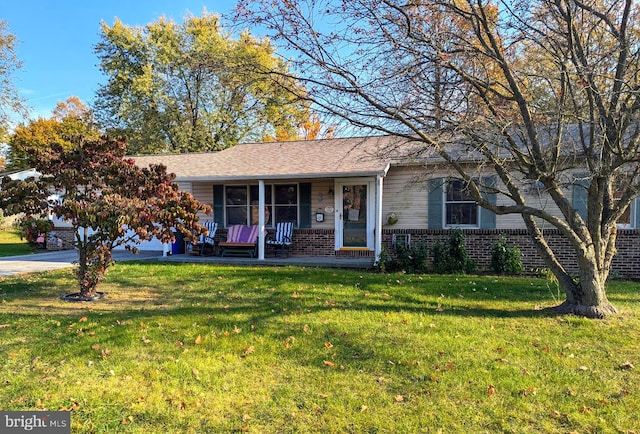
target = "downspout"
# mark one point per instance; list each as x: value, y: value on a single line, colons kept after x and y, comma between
x: 378, y: 220
x: 261, y: 222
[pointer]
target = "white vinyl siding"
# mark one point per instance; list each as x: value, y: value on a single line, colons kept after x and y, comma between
x: 404, y: 194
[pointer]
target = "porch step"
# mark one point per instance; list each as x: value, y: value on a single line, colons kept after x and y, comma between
x: 354, y: 253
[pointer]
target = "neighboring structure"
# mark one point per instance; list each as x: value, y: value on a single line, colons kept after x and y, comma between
x: 341, y: 192
x: 61, y: 237
x: 20, y: 174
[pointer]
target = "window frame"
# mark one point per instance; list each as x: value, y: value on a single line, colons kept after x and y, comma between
x: 446, y: 202
x: 272, y: 205
x: 245, y: 206
x: 632, y: 214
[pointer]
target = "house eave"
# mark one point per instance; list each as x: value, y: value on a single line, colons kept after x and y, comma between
x: 278, y: 177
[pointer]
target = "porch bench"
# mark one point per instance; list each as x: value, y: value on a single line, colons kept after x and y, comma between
x: 235, y: 249
x: 241, y: 239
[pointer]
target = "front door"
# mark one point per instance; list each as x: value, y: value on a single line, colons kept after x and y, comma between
x: 354, y: 214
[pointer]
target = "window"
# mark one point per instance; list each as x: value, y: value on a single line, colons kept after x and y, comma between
x: 628, y: 218
x: 241, y: 204
x: 236, y: 205
x: 460, y: 208
x: 286, y: 203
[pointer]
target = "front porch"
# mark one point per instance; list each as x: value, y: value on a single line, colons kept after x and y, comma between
x: 298, y: 261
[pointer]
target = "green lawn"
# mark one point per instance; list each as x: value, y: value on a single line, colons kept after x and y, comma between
x: 11, y: 244
x: 207, y: 349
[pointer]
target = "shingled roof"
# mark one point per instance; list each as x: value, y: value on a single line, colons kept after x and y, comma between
x: 345, y: 157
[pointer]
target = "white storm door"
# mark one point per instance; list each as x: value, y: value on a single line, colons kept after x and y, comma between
x: 354, y: 208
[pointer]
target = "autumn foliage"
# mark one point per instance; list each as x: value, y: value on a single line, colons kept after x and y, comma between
x: 107, y: 199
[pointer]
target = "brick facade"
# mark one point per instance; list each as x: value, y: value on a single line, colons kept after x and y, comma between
x: 478, y: 242
x: 320, y: 242
x: 306, y: 242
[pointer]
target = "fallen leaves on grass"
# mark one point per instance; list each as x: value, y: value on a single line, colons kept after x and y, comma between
x: 289, y: 342
x: 627, y: 366
x: 250, y: 350
x: 491, y: 390
x: 72, y: 407
x: 329, y: 364
x: 198, y: 340
x: 399, y: 398
x: 529, y: 391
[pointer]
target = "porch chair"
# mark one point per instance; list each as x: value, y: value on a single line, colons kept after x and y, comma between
x: 205, y: 242
x: 282, y: 238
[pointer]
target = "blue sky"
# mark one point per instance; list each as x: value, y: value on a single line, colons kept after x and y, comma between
x: 56, y: 40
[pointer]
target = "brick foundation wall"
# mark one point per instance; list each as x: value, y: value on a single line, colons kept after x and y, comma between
x: 305, y: 242
x: 479, y: 242
x: 313, y: 242
x: 321, y: 242
x: 626, y: 264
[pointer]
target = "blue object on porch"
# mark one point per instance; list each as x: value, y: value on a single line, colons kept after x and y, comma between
x: 177, y: 247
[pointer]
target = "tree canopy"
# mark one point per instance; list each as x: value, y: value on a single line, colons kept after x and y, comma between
x: 193, y: 87
x: 10, y: 101
x: 542, y: 93
x: 105, y: 197
x: 71, y: 119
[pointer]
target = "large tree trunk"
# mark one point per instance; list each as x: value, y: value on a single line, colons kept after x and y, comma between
x: 587, y: 297
x: 89, y: 271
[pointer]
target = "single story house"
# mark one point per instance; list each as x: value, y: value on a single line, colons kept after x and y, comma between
x: 358, y: 196
x: 355, y: 196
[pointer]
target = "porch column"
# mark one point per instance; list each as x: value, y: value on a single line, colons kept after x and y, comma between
x: 261, y: 222
x: 378, y: 220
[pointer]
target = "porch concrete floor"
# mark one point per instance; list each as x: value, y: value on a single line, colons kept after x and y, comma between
x: 300, y: 261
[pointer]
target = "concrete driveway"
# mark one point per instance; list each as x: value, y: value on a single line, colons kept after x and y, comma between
x: 11, y: 265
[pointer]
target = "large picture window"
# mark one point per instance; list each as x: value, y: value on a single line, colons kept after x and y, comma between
x: 241, y: 204
x: 460, y: 208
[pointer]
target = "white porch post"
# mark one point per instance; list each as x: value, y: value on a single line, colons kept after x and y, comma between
x: 378, y: 226
x: 261, y: 222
